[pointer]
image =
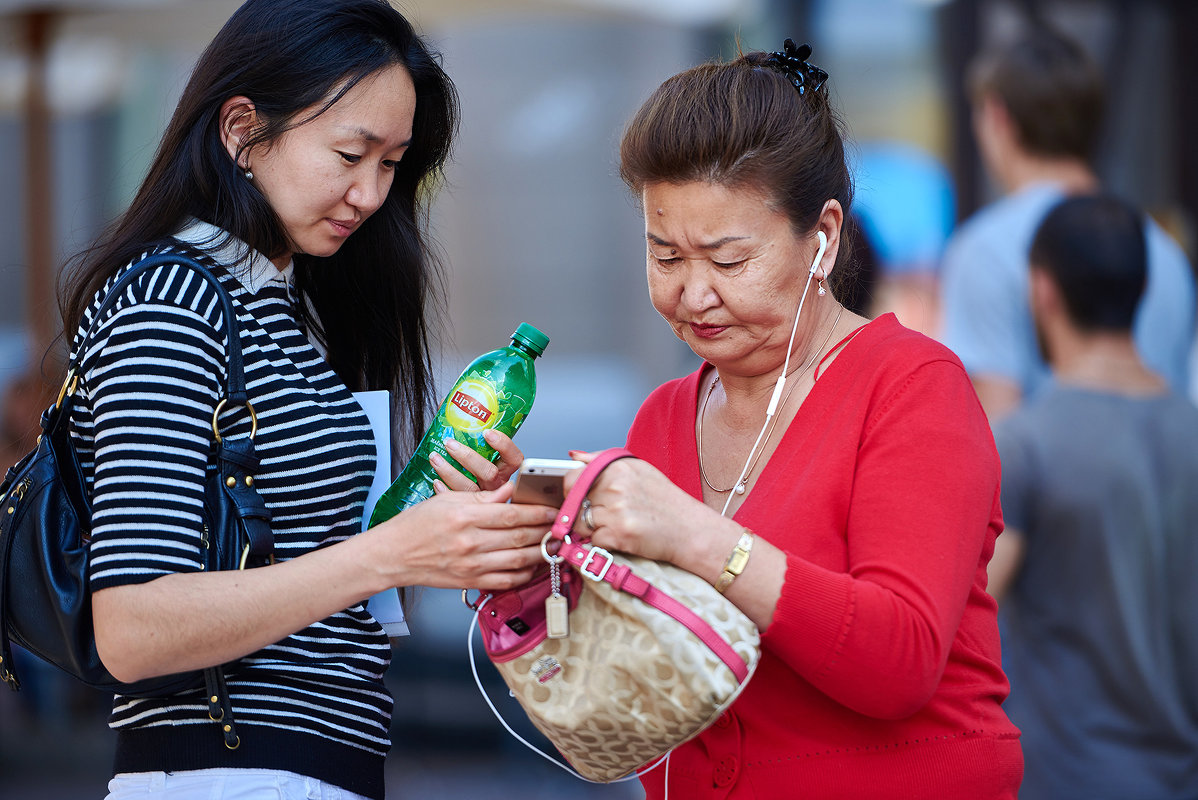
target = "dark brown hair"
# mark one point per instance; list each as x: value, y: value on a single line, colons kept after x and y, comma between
x: 1050, y: 87
x: 743, y: 125
x: 1093, y: 247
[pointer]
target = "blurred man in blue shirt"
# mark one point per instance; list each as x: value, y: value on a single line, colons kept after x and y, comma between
x: 1038, y: 105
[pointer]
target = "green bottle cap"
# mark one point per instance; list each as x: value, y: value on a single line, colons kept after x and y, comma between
x: 531, y: 338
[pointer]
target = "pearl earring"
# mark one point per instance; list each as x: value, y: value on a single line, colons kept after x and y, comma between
x: 249, y: 176
x: 822, y: 291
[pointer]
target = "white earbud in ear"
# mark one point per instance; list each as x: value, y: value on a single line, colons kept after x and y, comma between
x: 819, y: 255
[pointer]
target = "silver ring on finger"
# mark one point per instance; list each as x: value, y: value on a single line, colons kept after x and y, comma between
x: 588, y: 518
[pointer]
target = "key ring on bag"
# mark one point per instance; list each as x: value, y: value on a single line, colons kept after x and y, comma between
x: 552, y: 559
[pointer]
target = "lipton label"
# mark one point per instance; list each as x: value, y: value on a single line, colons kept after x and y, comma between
x: 472, y: 406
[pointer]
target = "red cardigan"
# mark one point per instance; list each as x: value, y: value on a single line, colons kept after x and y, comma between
x: 880, y: 672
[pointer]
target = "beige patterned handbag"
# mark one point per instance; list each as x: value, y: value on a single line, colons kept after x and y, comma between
x: 651, y: 654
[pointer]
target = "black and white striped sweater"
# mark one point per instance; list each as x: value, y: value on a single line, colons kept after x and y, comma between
x: 313, y: 703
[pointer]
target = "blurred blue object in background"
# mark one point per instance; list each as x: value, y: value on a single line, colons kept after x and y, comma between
x: 906, y: 203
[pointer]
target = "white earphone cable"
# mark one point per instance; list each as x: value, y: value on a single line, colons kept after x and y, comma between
x: 478, y: 682
x: 772, y: 408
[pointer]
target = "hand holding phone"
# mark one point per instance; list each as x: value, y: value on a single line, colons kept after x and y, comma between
x: 539, y: 481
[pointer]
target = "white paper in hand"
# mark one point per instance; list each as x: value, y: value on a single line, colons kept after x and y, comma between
x: 384, y: 606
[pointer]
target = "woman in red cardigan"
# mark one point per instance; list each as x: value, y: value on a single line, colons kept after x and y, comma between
x: 866, y: 503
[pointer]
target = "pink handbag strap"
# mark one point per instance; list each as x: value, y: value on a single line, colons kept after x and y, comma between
x: 573, y: 502
x: 597, y: 564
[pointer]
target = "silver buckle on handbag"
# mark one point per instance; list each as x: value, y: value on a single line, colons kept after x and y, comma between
x: 586, y: 562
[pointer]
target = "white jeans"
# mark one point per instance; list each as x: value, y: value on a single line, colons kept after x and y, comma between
x: 224, y: 784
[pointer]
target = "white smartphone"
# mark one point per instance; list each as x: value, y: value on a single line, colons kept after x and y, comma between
x: 539, y: 481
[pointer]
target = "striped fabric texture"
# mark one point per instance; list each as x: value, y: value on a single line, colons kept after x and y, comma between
x: 151, y: 379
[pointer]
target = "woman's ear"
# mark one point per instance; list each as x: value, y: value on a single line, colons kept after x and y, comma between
x: 238, y: 119
x: 831, y: 221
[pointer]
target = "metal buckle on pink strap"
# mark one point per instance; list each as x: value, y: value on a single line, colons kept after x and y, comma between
x: 592, y: 554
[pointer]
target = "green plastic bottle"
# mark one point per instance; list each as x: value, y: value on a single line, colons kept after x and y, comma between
x: 496, y: 391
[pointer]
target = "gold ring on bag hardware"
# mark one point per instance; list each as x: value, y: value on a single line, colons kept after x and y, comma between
x: 245, y: 557
x: 221, y: 407
x: 68, y: 387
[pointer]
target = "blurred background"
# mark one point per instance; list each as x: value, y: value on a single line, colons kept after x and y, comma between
x: 535, y: 226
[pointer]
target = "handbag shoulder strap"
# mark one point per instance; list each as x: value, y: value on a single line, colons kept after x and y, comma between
x: 235, y: 380
x: 568, y: 513
x: 235, y: 460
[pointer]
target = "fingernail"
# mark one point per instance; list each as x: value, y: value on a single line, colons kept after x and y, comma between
x: 439, y: 487
x: 436, y: 458
x: 575, y: 453
x: 452, y: 444
x: 490, y: 434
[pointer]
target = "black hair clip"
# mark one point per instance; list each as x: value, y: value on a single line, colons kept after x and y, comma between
x: 792, y: 62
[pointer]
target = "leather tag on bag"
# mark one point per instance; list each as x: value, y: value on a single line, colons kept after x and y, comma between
x: 557, y: 617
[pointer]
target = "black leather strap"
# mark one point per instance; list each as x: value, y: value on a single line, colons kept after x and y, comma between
x: 220, y: 710
x: 238, y: 465
x: 236, y: 459
x: 235, y: 386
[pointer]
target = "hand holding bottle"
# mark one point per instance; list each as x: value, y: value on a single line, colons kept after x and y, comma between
x: 458, y: 539
x: 488, y: 475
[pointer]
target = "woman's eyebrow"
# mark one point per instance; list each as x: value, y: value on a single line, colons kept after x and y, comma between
x: 371, y: 137
x: 716, y: 245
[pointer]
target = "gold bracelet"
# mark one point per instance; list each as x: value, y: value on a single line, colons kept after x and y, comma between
x: 736, y: 562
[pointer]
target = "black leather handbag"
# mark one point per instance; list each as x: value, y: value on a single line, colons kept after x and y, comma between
x: 45, y: 531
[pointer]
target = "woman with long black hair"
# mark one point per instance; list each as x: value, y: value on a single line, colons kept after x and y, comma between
x: 297, y: 167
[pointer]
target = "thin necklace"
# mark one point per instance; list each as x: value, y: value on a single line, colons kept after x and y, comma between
x: 740, y: 487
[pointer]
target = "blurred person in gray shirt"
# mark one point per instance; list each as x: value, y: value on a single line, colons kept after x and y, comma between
x: 1094, y: 572
x: 1038, y: 105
